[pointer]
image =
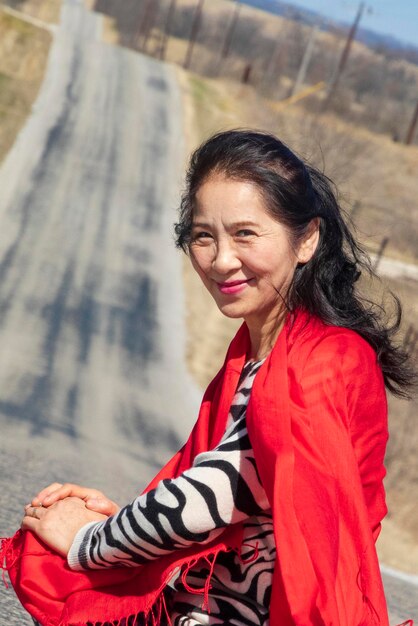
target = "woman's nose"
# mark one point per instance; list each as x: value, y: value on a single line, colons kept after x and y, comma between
x: 226, y: 258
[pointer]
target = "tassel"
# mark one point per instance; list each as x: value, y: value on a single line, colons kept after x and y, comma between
x: 210, y: 560
x: 372, y: 613
x: 154, y: 615
x: 6, y: 553
x: 164, y: 609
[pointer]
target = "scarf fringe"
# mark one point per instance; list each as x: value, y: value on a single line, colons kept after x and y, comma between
x: 6, y: 555
x: 158, y: 612
x: 159, y: 609
x: 210, y: 560
x: 153, y: 618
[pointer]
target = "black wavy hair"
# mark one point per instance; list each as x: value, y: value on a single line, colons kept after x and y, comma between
x: 295, y: 193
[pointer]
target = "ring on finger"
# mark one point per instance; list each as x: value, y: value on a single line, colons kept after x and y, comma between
x: 35, y: 510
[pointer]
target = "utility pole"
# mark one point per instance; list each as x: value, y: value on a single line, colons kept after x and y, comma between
x: 344, y: 56
x: 152, y: 14
x: 245, y: 78
x: 229, y: 36
x: 143, y: 22
x: 300, y: 79
x: 169, y: 19
x: 382, y: 248
x: 193, y: 34
x: 411, y: 130
x: 279, y: 48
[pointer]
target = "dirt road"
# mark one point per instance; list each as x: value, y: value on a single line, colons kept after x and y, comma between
x: 93, y: 386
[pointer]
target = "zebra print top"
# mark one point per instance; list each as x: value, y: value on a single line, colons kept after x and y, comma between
x: 221, y: 488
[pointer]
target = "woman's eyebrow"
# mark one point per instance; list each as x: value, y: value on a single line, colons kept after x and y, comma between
x: 240, y: 224
x: 243, y: 223
x: 200, y: 225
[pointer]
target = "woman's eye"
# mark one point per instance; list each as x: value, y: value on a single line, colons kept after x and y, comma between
x: 201, y: 236
x: 244, y: 232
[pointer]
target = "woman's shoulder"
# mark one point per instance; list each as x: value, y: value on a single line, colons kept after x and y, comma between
x: 340, y: 364
x: 311, y: 339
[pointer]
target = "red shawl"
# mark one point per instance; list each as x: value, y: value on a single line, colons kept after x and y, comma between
x: 317, y: 423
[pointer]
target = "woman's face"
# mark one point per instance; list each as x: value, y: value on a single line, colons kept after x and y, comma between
x: 242, y: 254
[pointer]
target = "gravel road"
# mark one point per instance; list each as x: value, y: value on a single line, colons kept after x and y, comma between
x: 93, y: 385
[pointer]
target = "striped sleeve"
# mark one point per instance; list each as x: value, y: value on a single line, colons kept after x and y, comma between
x: 221, y: 488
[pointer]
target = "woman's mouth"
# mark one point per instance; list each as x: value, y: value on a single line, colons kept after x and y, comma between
x: 233, y: 286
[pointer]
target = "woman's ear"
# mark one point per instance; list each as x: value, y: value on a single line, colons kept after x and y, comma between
x: 310, y: 241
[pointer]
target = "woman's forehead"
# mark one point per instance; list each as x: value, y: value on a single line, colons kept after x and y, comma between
x: 233, y: 202
x: 223, y: 189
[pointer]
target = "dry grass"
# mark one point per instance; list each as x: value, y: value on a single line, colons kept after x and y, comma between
x: 369, y: 169
x: 23, y: 56
x: 274, y: 46
x: 44, y: 10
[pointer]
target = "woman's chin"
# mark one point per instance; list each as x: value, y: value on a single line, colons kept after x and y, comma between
x: 232, y: 311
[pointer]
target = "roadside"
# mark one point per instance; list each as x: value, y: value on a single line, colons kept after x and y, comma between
x: 30, y: 19
x: 25, y: 39
x: 45, y: 11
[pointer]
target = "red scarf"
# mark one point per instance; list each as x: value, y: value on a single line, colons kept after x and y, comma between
x: 327, y: 572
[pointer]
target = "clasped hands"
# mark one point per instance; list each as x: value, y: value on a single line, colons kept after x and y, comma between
x: 59, y: 511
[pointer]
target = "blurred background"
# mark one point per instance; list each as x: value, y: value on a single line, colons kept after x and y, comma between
x: 107, y: 337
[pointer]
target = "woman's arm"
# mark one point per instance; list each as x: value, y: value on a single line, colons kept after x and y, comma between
x: 221, y: 488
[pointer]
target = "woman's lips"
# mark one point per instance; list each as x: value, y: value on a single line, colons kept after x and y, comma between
x: 234, y: 286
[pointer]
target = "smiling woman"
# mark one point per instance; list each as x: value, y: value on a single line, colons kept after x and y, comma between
x: 244, y: 256
x: 270, y: 512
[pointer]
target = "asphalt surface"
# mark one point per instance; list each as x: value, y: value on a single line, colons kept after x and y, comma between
x: 93, y: 385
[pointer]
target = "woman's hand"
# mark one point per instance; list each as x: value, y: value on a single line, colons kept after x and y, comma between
x: 94, y: 500
x: 58, y: 524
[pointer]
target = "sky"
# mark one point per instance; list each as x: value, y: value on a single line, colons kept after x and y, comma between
x: 398, y: 18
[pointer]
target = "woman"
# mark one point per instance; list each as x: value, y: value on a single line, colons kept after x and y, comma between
x: 270, y: 512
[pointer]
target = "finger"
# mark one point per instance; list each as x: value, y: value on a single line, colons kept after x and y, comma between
x: 29, y: 523
x: 70, y: 490
x: 28, y: 508
x: 32, y: 517
x: 102, y: 505
x: 61, y: 492
x: 38, y: 499
x: 36, y: 512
